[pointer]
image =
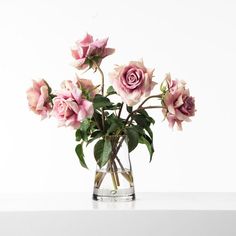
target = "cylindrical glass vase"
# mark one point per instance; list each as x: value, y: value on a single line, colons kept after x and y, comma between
x: 114, y: 181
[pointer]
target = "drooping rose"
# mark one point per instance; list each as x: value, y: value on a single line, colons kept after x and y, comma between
x: 179, y: 104
x: 132, y: 82
x: 87, y: 51
x: 69, y: 107
x: 87, y: 86
x: 38, y: 98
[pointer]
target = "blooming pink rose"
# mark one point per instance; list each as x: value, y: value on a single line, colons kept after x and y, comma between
x: 69, y: 107
x: 38, y: 98
x: 132, y: 82
x: 179, y: 104
x: 87, y: 51
x: 87, y: 86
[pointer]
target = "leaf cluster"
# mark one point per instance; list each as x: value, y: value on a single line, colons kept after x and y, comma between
x: 107, y: 128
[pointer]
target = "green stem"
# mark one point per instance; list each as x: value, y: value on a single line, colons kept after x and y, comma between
x: 153, y: 96
x: 102, y: 77
x: 102, y: 90
x: 137, y: 110
x: 116, y: 173
x: 140, y: 107
x: 120, y: 110
x: 110, y: 168
x: 100, y: 178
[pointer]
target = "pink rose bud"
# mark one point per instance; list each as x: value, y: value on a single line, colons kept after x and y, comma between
x: 38, y: 98
x: 179, y: 104
x: 69, y: 107
x: 87, y: 86
x: 87, y: 51
x: 132, y: 82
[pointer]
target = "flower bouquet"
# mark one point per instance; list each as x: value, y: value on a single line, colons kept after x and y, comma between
x: 115, y: 128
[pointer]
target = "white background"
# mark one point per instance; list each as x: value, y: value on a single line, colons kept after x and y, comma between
x: 194, y: 40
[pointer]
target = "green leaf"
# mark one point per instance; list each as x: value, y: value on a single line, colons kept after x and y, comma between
x: 113, y: 106
x: 106, y: 152
x: 139, y: 129
x: 114, y: 123
x: 98, y: 119
x: 110, y: 91
x: 149, y: 131
x: 132, y: 138
x: 102, y: 151
x: 95, y: 135
x: 84, y: 130
x: 144, y: 121
x: 141, y: 120
x: 80, y: 154
x: 97, y: 151
x: 78, y: 136
x: 148, y: 142
x: 99, y: 101
x: 149, y: 118
x: 85, y: 125
x: 115, y: 127
x: 84, y: 135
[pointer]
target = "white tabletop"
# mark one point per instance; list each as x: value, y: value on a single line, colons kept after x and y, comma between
x: 144, y: 201
x: 152, y: 214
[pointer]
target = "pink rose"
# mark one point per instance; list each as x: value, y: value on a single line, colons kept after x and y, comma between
x: 87, y: 87
x: 38, y: 98
x: 173, y: 85
x: 87, y: 51
x: 179, y: 104
x: 132, y: 82
x: 69, y: 107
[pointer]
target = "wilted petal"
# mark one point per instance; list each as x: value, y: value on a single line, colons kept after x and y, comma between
x: 171, y: 120
x: 179, y: 102
x: 108, y: 51
x: 86, y: 41
x: 100, y: 43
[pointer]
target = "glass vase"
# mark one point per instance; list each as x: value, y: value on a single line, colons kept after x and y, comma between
x: 114, y: 181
